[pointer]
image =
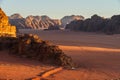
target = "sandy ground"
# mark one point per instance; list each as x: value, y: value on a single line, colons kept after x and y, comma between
x: 15, y: 68
x: 97, y: 55
x: 78, y: 38
x: 93, y: 65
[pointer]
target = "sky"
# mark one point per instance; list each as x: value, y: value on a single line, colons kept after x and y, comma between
x: 60, y: 8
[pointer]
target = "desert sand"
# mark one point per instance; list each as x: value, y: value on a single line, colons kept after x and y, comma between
x: 16, y: 68
x: 93, y: 65
x: 96, y: 55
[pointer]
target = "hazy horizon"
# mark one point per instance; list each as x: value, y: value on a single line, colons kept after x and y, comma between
x: 61, y: 8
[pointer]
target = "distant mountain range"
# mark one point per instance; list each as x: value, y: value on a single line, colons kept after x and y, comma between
x: 97, y: 24
x: 41, y: 22
x: 74, y: 22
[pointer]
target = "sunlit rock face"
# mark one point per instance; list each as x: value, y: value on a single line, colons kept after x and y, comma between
x: 67, y: 19
x: 6, y: 30
x: 41, y: 22
x: 3, y: 18
x: 33, y: 22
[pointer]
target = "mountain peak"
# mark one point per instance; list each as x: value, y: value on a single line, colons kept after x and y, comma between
x: 16, y: 16
x: 67, y: 19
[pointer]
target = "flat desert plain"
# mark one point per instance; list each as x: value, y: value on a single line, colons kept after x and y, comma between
x: 97, y: 55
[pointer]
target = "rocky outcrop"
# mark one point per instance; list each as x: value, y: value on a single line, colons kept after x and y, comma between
x: 33, y: 22
x: 32, y: 47
x: 5, y: 28
x: 67, y: 19
x: 97, y: 24
x: 113, y: 25
x: 3, y: 18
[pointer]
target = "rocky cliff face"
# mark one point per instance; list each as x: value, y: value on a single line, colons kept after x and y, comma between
x: 3, y: 18
x: 33, y: 22
x: 67, y: 19
x: 5, y: 28
x: 41, y: 22
x: 97, y: 24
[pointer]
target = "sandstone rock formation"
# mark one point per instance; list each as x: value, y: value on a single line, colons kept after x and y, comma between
x: 67, y: 19
x: 97, y: 24
x: 32, y: 47
x: 5, y: 28
x: 113, y: 25
x: 28, y: 45
x: 33, y: 22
